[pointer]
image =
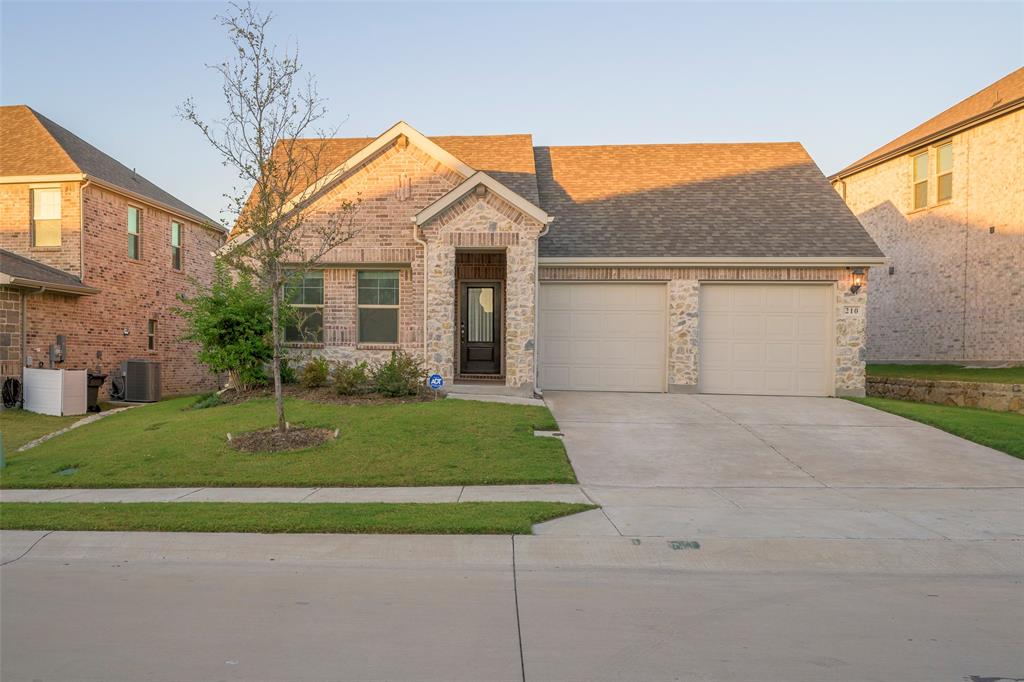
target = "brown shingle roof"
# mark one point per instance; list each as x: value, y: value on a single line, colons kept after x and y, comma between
x: 31, y: 144
x: 693, y: 200
x: 1005, y: 94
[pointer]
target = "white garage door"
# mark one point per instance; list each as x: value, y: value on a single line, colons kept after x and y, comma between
x: 767, y: 339
x: 602, y: 337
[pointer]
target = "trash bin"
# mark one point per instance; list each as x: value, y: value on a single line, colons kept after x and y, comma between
x: 95, y: 382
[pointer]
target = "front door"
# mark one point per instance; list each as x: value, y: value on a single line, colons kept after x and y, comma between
x: 480, y: 328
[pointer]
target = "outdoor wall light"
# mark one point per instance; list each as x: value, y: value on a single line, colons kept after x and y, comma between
x: 858, y: 280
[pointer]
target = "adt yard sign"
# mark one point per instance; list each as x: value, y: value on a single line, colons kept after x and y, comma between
x: 436, y: 382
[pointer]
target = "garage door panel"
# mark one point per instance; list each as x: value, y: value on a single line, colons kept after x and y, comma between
x: 610, y: 337
x: 773, y: 339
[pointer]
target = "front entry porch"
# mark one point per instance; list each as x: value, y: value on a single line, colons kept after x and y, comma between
x: 480, y: 312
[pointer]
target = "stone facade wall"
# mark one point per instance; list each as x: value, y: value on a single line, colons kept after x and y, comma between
x: 956, y: 292
x: 850, y: 316
x: 132, y: 292
x: 999, y: 397
x: 16, y: 225
x: 10, y: 333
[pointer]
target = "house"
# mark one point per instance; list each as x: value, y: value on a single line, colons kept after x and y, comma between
x: 945, y: 201
x: 93, y: 251
x: 724, y: 268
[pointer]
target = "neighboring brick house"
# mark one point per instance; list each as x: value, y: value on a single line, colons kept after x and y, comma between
x: 945, y: 201
x: 95, y: 252
x: 729, y: 268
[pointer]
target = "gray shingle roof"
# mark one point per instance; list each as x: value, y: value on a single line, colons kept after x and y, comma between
x: 20, y: 267
x: 761, y: 200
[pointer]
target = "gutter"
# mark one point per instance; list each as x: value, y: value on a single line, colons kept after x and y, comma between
x: 712, y: 261
x: 43, y: 287
x: 984, y: 117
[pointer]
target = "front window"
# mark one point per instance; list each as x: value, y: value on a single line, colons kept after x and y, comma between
x: 176, y: 245
x: 46, y: 216
x: 151, y: 335
x: 305, y: 294
x: 134, y: 233
x: 944, y: 171
x: 921, y: 180
x: 378, y: 306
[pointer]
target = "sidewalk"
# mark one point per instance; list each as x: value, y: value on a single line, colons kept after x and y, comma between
x: 469, y: 493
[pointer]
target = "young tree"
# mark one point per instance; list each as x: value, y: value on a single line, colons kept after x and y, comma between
x: 270, y: 136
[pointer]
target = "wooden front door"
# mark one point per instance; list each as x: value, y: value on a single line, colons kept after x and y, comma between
x: 480, y: 328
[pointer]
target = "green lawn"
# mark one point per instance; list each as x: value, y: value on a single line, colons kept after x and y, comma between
x: 445, y: 442
x: 995, y: 375
x: 19, y: 427
x: 999, y: 430
x: 224, y: 517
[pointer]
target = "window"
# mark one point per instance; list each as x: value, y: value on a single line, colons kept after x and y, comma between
x: 921, y: 180
x: 378, y: 306
x: 176, y: 245
x: 944, y: 171
x: 46, y: 216
x: 305, y: 293
x: 151, y: 335
x: 134, y: 233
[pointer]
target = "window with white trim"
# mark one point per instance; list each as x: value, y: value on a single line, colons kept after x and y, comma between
x: 45, y: 216
x: 377, y: 301
x: 175, y: 245
x: 134, y: 233
x: 151, y: 335
x: 921, y: 180
x: 944, y: 172
x: 305, y: 294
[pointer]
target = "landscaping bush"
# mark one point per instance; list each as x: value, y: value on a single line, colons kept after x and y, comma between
x: 352, y: 379
x: 314, y: 373
x: 207, y: 400
x: 401, y: 375
x: 288, y: 375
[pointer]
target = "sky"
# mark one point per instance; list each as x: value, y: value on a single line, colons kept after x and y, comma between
x: 842, y: 78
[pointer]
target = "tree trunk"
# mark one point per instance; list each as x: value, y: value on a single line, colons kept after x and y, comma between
x: 275, y: 327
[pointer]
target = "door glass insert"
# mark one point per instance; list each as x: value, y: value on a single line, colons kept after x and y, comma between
x: 480, y: 302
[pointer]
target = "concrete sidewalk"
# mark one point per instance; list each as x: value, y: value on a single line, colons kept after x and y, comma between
x: 469, y: 493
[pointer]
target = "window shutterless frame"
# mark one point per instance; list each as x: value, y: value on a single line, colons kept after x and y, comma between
x: 134, y: 233
x: 305, y: 295
x: 944, y: 172
x: 46, y: 214
x: 176, y: 245
x: 151, y: 335
x: 378, y: 301
x: 919, y: 164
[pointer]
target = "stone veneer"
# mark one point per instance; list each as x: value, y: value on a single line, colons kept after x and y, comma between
x: 999, y: 397
x: 850, y: 315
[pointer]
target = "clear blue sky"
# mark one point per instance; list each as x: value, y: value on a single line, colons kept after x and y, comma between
x: 841, y: 78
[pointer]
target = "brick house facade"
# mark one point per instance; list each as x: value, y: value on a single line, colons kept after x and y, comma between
x: 86, y: 287
x: 473, y: 234
x: 953, y: 289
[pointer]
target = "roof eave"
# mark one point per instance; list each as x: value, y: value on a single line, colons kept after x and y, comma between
x: 972, y: 122
x: 24, y: 282
x: 471, y: 183
x: 715, y: 261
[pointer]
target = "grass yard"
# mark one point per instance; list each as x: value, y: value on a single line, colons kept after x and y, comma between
x: 445, y: 442
x: 224, y: 517
x: 19, y: 427
x: 1002, y: 431
x: 994, y: 375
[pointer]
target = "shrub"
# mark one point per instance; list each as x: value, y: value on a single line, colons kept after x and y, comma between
x: 352, y: 379
x: 402, y: 375
x: 314, y: 373
x: 231, y: 323
x: 288, y: 375
x: 207, y: 400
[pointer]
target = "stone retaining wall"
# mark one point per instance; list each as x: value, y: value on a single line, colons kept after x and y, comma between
x: 999, y: 397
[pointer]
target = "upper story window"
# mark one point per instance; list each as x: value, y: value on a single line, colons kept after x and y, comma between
x: 134, y: 233
x: 305, y: 294
x: 45, y: 216
x: 921, y: 180
x: 944, y: 171
x: 176, y: 245
x: 378, y: 306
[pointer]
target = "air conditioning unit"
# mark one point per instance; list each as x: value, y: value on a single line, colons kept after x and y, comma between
x: 141, y: 381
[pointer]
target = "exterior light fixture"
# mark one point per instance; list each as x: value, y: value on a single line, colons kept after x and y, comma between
x: 858, y: 280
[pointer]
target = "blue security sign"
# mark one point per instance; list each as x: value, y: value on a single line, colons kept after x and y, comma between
x: 436, y: 382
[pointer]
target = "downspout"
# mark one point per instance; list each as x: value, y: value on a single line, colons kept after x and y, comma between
x: 81, y: 227
x: 536, y: 304
x: 426, y: 282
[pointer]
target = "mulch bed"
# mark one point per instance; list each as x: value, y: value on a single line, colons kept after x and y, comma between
x: 271, y: 440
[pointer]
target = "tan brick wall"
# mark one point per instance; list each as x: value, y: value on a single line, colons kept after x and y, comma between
x: 132, y: 292
x: 16, y: 223
x: 957, y: 290
x: 684, y: 312
x: 10, y: 333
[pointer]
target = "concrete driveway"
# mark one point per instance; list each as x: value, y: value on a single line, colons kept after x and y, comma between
x: 771, y: 467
